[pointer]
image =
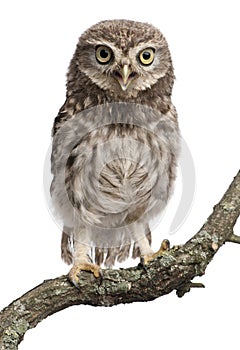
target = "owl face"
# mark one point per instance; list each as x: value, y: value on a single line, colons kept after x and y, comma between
x: 123, y: 57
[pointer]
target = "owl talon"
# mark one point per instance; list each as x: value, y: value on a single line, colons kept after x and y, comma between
x: 75, y: 271
x: 165, y: 246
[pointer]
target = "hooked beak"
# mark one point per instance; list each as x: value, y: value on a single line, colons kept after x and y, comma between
x: 124, y: 76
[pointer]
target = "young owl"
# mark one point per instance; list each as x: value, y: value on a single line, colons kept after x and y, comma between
x: 115, y: 145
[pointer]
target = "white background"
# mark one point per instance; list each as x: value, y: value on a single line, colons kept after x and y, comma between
x: 38, y: 39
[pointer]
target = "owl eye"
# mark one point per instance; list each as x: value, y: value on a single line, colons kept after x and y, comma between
x: 146, y: 56
x: 103, y: 54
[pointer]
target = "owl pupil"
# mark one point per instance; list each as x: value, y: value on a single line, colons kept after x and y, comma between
x: 104, y: 53
x: 146, y: 55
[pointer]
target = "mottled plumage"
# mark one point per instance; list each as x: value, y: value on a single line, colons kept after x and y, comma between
x: 115, y: 144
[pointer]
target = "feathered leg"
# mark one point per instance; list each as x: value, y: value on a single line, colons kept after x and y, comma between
x: 136, y: 251
x: 81, y: 260
x: 143, y: 245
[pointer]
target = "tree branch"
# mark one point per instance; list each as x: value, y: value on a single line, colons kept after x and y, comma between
x: 173, y: 271
x: 234, y: 239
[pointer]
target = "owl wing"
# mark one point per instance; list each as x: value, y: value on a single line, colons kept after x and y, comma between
x: 64, y: 114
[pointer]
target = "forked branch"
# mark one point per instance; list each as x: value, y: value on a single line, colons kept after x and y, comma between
x: 173, y: 271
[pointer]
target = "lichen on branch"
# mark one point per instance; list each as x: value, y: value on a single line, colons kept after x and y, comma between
x: 172, y: 271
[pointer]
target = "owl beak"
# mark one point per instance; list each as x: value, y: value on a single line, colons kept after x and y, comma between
x: 124, y: 76
x: 125, y: 72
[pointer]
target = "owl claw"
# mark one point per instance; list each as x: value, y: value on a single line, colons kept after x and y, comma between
x: 75, y: 271
x: 165, y: 246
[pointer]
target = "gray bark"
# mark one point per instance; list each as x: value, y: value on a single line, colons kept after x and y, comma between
x: 173, y: 271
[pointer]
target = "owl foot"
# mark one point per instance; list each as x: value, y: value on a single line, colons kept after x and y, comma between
x: 165, y: 246
x: 75, y: 271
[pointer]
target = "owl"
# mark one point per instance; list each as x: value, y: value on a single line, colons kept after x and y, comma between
x: 115, y: 145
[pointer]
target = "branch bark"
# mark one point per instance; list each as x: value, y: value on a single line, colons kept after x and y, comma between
x: 173, y: 271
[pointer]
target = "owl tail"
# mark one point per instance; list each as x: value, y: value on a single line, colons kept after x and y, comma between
x: 110, y: 255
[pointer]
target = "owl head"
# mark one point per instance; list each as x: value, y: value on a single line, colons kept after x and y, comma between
x: 123, y: 57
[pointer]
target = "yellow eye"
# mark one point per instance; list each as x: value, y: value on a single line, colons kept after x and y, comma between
x: 103, y: 54
x: 146, y: 56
